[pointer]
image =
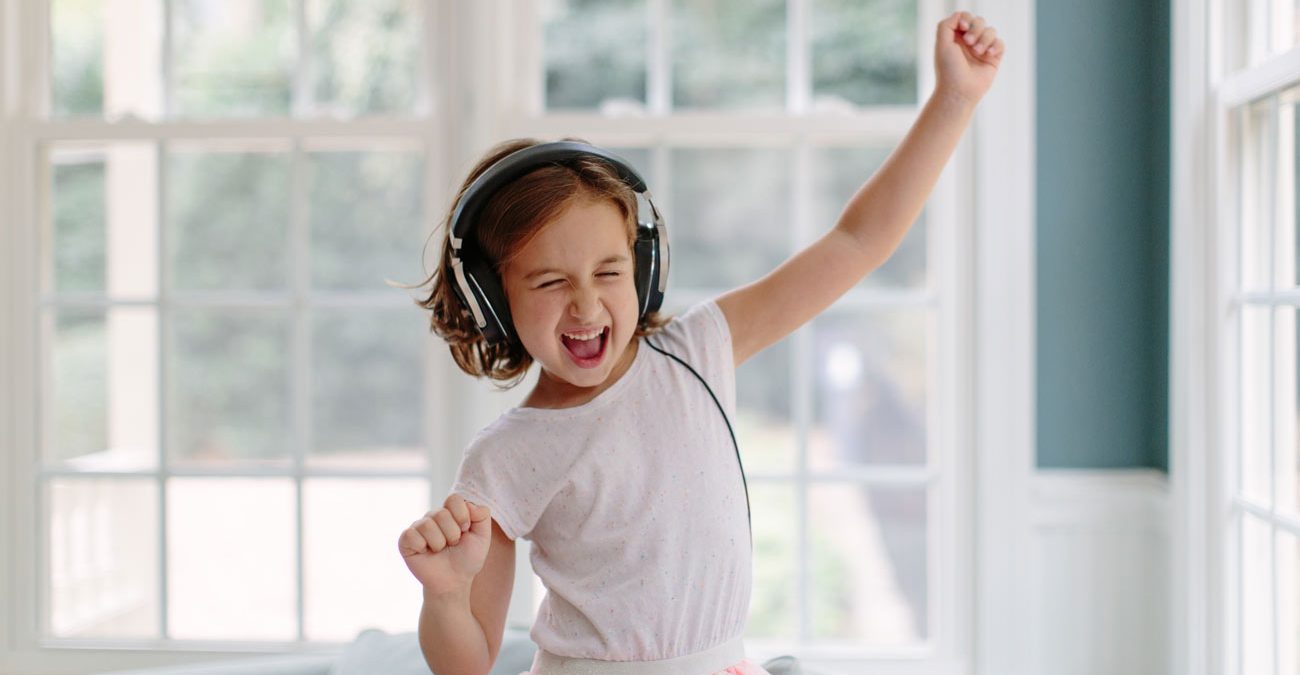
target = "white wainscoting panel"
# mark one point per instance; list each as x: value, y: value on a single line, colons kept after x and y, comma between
x: 1099, y: 586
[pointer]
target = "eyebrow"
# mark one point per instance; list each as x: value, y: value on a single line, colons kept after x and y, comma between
x: 606, y: 261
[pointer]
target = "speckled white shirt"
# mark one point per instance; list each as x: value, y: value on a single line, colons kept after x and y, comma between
x: 633, y: 502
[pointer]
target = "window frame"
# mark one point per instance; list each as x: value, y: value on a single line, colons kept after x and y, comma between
x: 1210, y: 91
x: 24, y: 24
x: 998, y: 304
x: 660, y: 131
x: 995, y: 365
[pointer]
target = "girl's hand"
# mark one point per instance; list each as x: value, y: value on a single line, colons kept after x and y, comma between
x: 967, y: 52
x: 447, y: 547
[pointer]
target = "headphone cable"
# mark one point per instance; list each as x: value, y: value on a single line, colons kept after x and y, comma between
x: 743, y: 480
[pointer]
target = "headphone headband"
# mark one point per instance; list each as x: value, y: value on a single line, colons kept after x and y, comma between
x: 517, y: 164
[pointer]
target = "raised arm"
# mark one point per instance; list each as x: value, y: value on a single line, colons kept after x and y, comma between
x: 967, y: 54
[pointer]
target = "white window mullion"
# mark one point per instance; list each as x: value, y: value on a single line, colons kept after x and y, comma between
x: 164, y: 401
x: 42, y: 326
x: 659, y: 75
x: 798, y: 69
x: 378, y: 127
x: 302, y: 102
x: 168, y: 73
x: 1281, y: 521
x: 1266, y: 78
x: 299, y: 352
x: 1271, y: 225
x: 802, y: 373
x: 436, y: 56
x: 10, y: 288
x: 1220, y: 613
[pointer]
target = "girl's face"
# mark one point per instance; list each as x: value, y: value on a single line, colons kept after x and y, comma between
x: 573, y: 297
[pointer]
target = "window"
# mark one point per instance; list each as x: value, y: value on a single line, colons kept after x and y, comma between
x: 753, y: 123
x: 1260, y: 101
x: 221, y: 190
x: 228, y: 388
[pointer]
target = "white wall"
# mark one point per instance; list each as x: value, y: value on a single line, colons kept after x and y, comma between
x: 1099, y: 584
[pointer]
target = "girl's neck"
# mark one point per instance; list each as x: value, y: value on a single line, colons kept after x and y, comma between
x: 554, y: 393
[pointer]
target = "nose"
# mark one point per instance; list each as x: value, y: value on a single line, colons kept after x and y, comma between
x: 585, y: 305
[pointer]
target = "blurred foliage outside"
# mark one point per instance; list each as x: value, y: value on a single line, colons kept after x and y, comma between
x: 730, y: 54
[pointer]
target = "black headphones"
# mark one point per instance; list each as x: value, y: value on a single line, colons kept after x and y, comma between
x: 477, y: 285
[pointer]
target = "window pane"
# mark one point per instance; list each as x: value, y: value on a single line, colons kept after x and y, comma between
x: 728, y: 53
x: 774, y: 600
x: 730, y: 215
x: 837, y: 175
x: 105, y: 62
x: 104, y: 235
x: 227, y: 218
x: 365, y: 56
x: 230, y: 559
x: 77, y: 422
x: 1257, y: 166
x: 863, y: 53
x: 1256, y: 367
x: 1283, y: 24
x: 227, y: 387
x: 103, y: 389
x: 869, y: 564
x: 77, y: 48
x: 871, y: 388
x: 764, y: 421
x: 79, y: 240
x: 1286, y: 410
x: 367, y: 388
x: 595, y: 53
x: 1288, y: 620
x: 1287, y: 230
x: 232, y: 57
x: 363, y: 584
x: 103, y: 558
x: 366, y: 218
x: 1257, y: 595
x: 639, y: 158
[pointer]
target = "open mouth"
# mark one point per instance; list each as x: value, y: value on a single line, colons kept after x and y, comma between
x: 586, y: 349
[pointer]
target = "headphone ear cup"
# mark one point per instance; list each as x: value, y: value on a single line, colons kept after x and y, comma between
x: 483, y: 283
x: 648, y: 271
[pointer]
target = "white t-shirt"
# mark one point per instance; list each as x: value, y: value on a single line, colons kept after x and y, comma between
x: 633, y: 501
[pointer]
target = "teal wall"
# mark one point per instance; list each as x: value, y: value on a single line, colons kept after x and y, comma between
x: 1103, y: 233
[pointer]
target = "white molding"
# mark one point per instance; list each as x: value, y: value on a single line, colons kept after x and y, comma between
x: 19, y: 63
x: 9, y: 73
x: 1099, y: 552
x: 1114, y: 499
x: 1197, y: 625
x: 1004, y: 422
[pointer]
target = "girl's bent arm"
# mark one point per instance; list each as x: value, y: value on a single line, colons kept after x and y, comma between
x: 461, y: 632
x: 879, y: 214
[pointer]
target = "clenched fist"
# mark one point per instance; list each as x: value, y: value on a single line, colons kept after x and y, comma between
x: 447, y: 547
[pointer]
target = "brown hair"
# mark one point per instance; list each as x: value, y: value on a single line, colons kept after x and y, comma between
x: 508, y: 221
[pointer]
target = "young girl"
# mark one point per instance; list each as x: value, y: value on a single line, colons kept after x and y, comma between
x: 617, y: 464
